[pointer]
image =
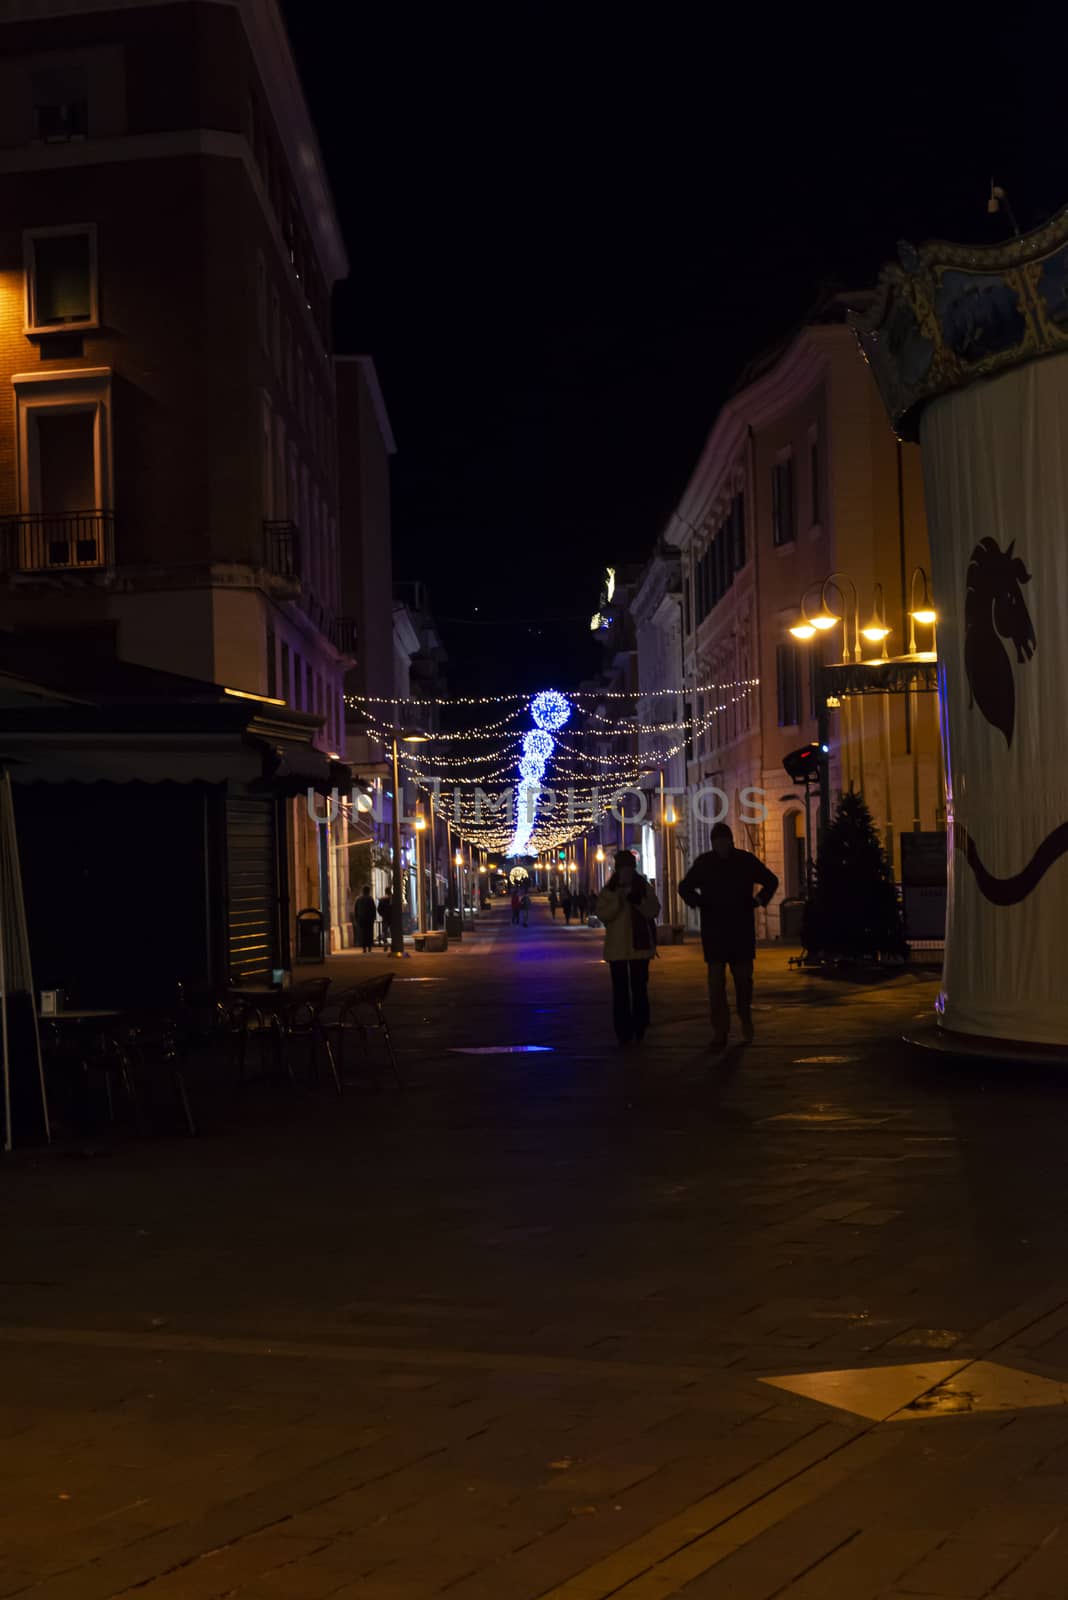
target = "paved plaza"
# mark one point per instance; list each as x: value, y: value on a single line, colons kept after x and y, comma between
x: 564, y: 1324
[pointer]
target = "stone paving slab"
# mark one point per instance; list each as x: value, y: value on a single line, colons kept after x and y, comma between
x: 506, y: 1338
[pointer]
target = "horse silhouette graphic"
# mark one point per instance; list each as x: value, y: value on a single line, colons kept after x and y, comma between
x: 993, y: 605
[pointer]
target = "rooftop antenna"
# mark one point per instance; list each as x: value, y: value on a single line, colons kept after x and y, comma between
x: 999, y: 201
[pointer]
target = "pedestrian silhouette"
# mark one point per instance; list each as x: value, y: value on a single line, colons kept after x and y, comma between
x: 629, y: 908
x: 720, y: 885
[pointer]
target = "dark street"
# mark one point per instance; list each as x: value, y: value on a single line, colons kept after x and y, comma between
x: 508, y: 1336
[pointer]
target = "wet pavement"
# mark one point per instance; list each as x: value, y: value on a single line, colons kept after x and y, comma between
x: 565, y: 1322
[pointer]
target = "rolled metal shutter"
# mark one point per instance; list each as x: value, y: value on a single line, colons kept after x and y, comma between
x: 253, y: 889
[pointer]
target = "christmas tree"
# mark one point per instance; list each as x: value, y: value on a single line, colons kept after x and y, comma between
x: 853, y: 912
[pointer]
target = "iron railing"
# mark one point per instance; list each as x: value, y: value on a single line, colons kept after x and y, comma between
x: 342, y: 635
x: 281, y: 553
x: 57, y: 541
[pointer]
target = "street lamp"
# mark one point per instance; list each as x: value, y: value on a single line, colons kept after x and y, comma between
x: 925, y: 613
x: 420, y: 888
x: 408, y: 735
x: 877, y: 632
x: 458, y: 862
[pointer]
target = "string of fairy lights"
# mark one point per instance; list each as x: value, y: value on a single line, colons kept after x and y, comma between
x: 547, y: 768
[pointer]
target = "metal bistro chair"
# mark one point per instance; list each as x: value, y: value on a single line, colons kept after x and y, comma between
x: 361, y: 1011
x: 148, y: 1044
x: 299, y: 1017
x: 240, y: 1020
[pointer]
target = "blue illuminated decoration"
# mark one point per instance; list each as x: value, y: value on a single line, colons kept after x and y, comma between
x: 550, y: 710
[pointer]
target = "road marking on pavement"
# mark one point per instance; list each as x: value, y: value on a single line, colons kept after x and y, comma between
x: 360, y: 1355
x: 927, y: 1389
x: 872, y: 1392
x: 664, y: 1560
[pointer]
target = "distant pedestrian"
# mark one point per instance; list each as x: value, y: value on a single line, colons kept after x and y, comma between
x: 363, y: 919
x: 628, y: 908
x: 553, y: 902
x: 582, y: 905
x: 517, y: 903
x: 567, y: 903
x: 385, y: 917
x: 524, y: 909
x: 721, y: 885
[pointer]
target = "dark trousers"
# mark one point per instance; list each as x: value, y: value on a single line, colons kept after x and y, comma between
x: 630, y: 998
x: 742, y: 973
x: 365, y: 934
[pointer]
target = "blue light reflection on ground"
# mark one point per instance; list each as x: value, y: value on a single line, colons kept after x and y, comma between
x: 501, y: 1049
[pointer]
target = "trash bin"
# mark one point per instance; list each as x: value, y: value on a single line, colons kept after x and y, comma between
x: 791, y: 917
x: 454, y: 924
x: 310, y: 935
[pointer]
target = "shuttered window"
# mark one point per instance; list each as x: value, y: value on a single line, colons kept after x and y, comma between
x: 252, y: 888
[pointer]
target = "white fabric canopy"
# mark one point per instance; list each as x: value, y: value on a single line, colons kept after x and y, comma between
x: 996, y: 471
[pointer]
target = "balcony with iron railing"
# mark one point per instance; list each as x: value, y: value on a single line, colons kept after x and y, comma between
x: 282, y: 559
x: 57, y: 541
x: 281, y: 550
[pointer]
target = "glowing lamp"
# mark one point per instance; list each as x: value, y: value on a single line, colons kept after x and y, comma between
x: 926, y: 616
x: 458, y: 858
x: 803, y: 630
x: 824, y: 621
x: 414, y: 736
x: 420, y: 823
x: 670, y: 818
x: 875, y: 632
x: 600, y: 854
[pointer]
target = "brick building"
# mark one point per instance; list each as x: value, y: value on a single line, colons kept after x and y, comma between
x: 168, y: 459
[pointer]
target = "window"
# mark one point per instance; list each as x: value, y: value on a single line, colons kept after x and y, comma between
x: 262, y: 317
x: 307, y: 686
x: 281, y: 512
x: 737, y: 523
x: 266, y: 455
x: 788, y: 684
x: 815, y: 664
x: 814, y: 480
x: 63, y: 428
x: 272, y: 666
x: 61, y: 289
x: 782, y: 502
x: 276, y: 330
x: 686, y: 606
x: 60, y: 103
x: 287, y: 686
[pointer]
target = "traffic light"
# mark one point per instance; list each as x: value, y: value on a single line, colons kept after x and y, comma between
x: 805, y: 765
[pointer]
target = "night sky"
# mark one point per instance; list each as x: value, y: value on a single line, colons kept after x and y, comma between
x: 569, y: 232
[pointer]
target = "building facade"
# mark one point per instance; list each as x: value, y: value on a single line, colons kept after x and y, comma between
x: 657, y: 611
x: 168, y: 443
x: 801, y: 478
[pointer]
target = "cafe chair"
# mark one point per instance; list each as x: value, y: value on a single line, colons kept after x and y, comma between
x: 298, y: 1020
x: 361, y: 1012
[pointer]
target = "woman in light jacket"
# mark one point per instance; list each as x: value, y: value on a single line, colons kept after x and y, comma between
x: 628, y: 908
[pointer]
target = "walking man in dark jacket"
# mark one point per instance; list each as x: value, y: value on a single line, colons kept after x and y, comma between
x: 720, y: 885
